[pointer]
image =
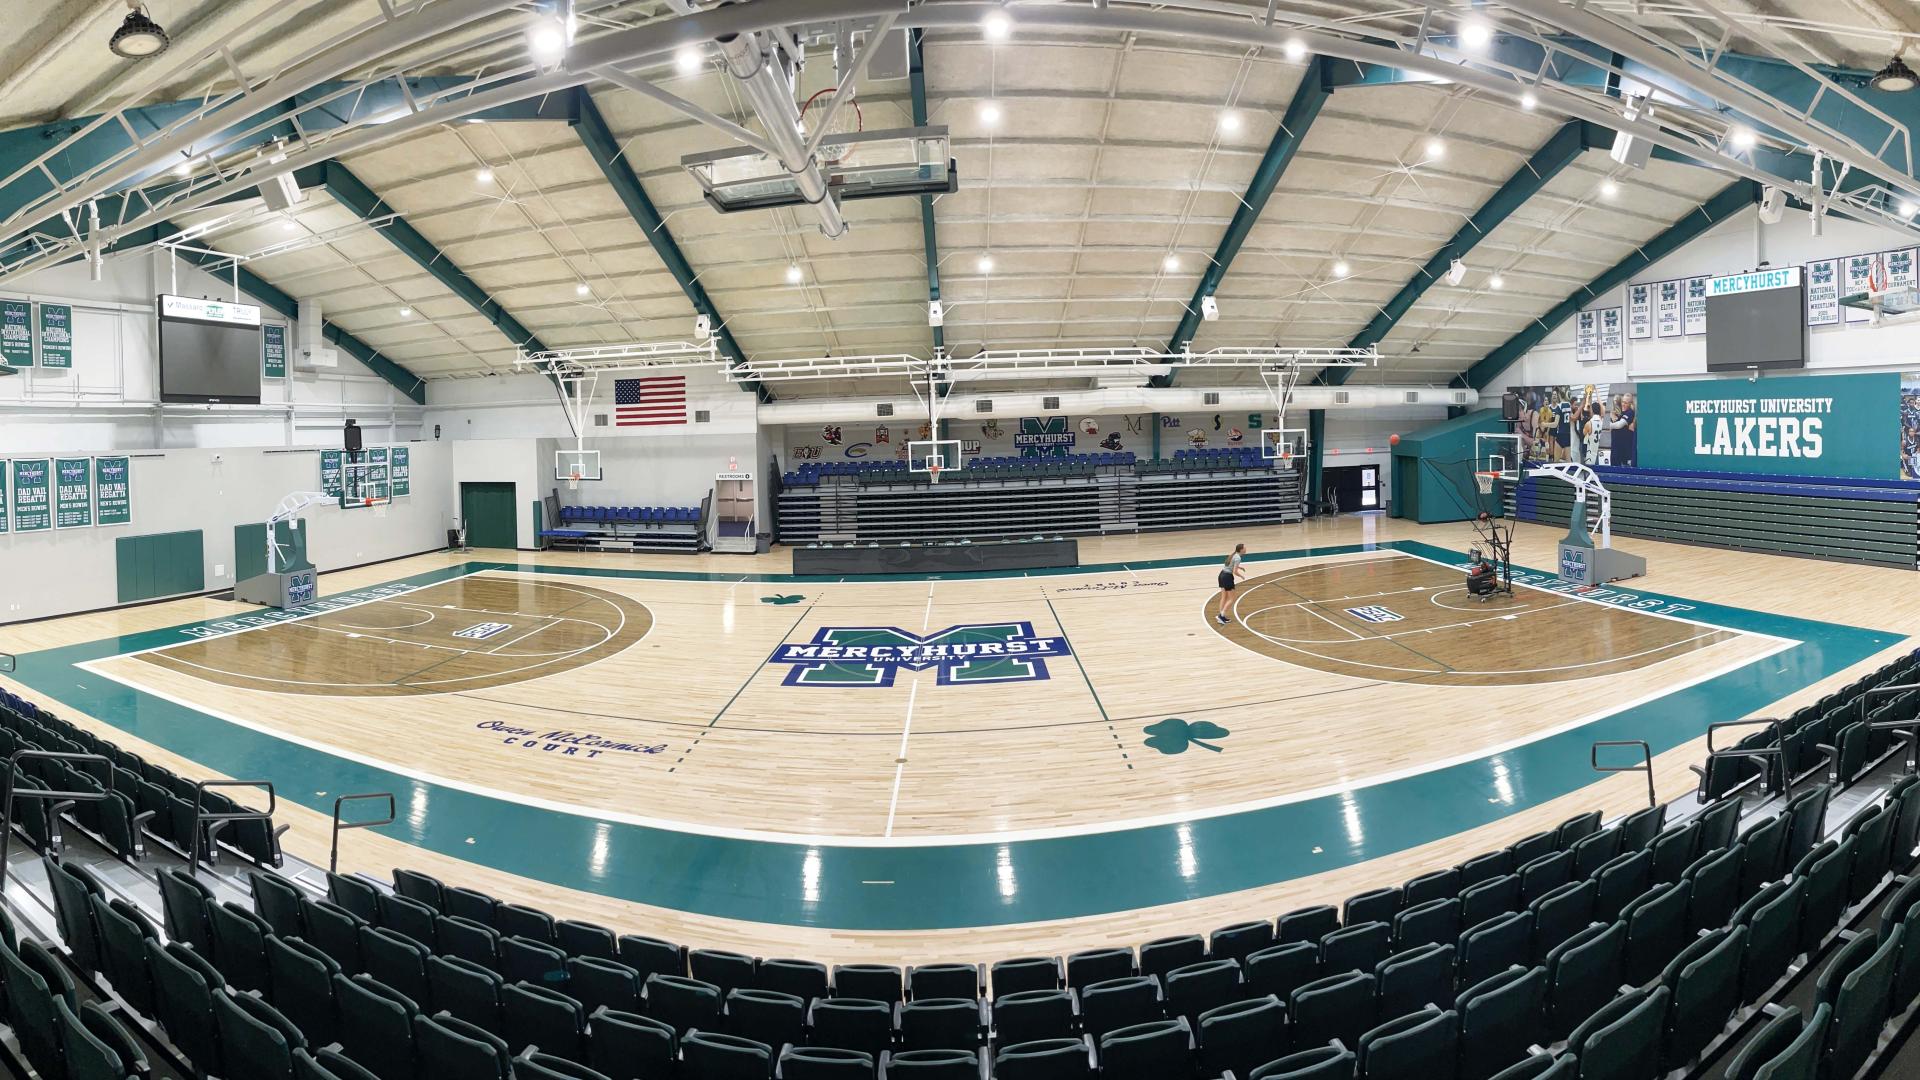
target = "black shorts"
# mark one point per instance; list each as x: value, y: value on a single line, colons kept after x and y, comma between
x: 1226, y: 580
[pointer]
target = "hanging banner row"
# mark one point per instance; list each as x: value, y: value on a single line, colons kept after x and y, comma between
x: 30, y: 330
x: 392, y: 465
x: 37, y: 494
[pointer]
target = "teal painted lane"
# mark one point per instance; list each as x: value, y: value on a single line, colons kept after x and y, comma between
x: 957, y: 885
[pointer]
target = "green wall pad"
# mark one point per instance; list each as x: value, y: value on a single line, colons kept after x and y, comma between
x: 250, y: 549
x: 159, y: 564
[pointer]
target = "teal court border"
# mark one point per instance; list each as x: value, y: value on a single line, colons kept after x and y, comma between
x: 932, y: 886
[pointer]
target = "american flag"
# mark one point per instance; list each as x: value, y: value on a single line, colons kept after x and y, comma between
x: 657, y: 399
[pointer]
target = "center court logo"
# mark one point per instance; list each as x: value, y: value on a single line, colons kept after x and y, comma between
x: 965, y: 654
x: 1375, y: 614
x: 481, y: 631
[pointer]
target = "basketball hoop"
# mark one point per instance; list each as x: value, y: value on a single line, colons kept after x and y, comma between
x: 1484, y: 481
x: 846, y: 121
x: 933, y: 473
x: 573, y: 479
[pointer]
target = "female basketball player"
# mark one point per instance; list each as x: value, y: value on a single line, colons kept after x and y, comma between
x: 1230, y: 571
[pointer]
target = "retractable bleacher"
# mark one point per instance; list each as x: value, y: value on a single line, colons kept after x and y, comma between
x: 626, y: 528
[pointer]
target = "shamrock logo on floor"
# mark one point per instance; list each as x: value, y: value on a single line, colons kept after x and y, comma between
x: 1173, y: 735
x: 792, y: 599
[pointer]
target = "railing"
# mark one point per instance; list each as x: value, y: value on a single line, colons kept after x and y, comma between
x: 220, y: 818
x: 339, y: 826
x: 66, y: 798
x: 1909, y: 728
x: 1763, y: 754
x: 1645, y: 766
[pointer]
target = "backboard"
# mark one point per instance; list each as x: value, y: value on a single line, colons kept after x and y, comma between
x: 1284, y: 444
x: 364, y: 484
x: 858, y: 165
x: 1895, y: 305
x: 576, y: 465
x: 935, y: 456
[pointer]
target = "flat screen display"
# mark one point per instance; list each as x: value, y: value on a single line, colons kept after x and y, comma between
x: 1764, y: 329
x: 209, y: 352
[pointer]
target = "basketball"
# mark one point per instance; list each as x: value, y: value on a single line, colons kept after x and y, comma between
x: 1394, y: 439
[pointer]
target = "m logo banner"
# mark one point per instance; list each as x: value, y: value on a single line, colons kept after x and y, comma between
x: 1044, y: 436
x: 965, y: 654
x: 482, y: 631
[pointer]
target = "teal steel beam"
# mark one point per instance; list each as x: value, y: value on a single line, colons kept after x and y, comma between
x: 1307, y: 101
x: 349, y: 191
x: 414, y: 387
x: 598, y: 138
x: 917, y: 81
x: 1731, y: 199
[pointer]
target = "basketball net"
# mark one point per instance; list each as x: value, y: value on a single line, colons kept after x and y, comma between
x: 573, y: 479
x: 1484, y: 480
x: 845, y: 122
x: 1877, y: 275
x: 933, y: 473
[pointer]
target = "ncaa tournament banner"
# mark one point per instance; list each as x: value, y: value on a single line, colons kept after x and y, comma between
x: 56, y: 336
x: 1859, y: 274
x: 273, y: 351
x: 1804, y: 425
x: 1639, y: 312
x: 16, y: 333
x: 400, y: 472
x: 1612, y: 346
x: 1823, y: 292
x: 1586, y: 337
x: 32, y: 494
x: 112, y: 490
x: 5, y: 518
x: 72, y: 493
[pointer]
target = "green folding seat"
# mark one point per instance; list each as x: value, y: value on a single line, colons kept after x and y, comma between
x: 1277, y: 970
x: 710, y: 1055
x: 1763, y: 853
x: 333, y: 930
x: 277, y: 900
x: 1438, y: 885
x: 765, y: 1016
x: 628, y: 1046
x: 1906, y: 825
x: 1499, y: 1019
x: 1194, y: 989
x: 449, y: 1048
x: 1705, y: 982
x: 1240, y: 1036
x: 1099, y: 965
x: 1673, y: 851
x: 1490, y: 899
x: 1872, y: 831
x: 1374, y: 905
x: 1718, y: 825
x: 929, y: 1065
x: 1237, y: 942
x: 73, y: 890
x: 468, y: 940
x: 1801, y: 1058
x: 1860, y: 1005
x: 1621, y: 1041
x: 1032, y: 1015
x: 826, y: 1063
x: 534, y: 1015
x: 1619, y: 882
x: 807, y: 980
x: 1575, y: 829
x: 1528, y: 848
x: 1582, y: 974
x: 1408, y: 981
x: 1332, y: 1062
x: 31, y: 1004
x: 256, y: 1041
x: 1150, y: 1051
x: 850, y: 1024
x: 684, y: 1003
x: 239, y: 945
x: 1338, y: 1007
x: 945, y: 981
x: 1049, y: 1059
x: 1356, y: 947
x: 300, y: 985
x: 523, y: 959
x: 1638, y: 829
x: 183, y: 988
x: 1432, y: 922
x: 598, y: 983
x: 1422, y: 1045
x: 93, y: 1046
x: 1806, y: 815
x: 726, y: 970
x: 577, y: 938
x: 124, y: 934
x: 1715, y: 879
x: 354, y: 894
x: 1485, y: 868
x: 1772, y: 1040
x: 376, y: 1026
x: 1827, y: 870
x: 327, y: 1065
x: 1494, y: 946
x: 1560, y: 914
x: 184, y: 900
x: 1306, y: 924
x: 1541, y: 1067
x: 534, y: 1065
x: 399, y: 915
x: 469, y: 904
x: 397, y: 960
x: 519, y: 920
x: 1772, y: 919
x: 1593, y: 851
x: 415, y: 885
x: 1117, y: 1003
x: 869, y: 982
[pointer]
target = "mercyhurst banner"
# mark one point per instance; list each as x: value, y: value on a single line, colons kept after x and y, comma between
x: 1805, y: 425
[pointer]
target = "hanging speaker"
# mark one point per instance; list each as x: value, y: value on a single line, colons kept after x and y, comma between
x: 1773, y: 205
x: 1510, y: 407
x: 350, y: 438
x: 1456, y: 272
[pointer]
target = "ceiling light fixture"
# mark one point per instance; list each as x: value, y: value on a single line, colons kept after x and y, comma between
x: 583, y: 289
x: 185, y: 168
x: 1436, y: 149
x: 1229, y: 121
x: 996, y: 26
x: 1170, y: 264
x: 1296, y: 49
x: 688, y: 59
x: 1529, y: 102
x: 793, y: 273
x: 1341, y: 269
x: 1907, y: 209
x: 547, y: 41
x: 406, y: 313
x: 1608, y: 189
x: 289, y: 224
x: 484, y: 176
x: 989, y: 114
x: 1496, y: 282
x: 985, y: 264
x: 1475, y: 34
x: 1895, y: 78
x: 1742, y: 138
x: 138, y: 37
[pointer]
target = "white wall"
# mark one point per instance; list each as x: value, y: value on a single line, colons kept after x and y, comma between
x: 67, y: 570
x: 1739, y: 243
x: 109, y: 399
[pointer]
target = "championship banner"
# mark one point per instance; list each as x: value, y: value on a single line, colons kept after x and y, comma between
x: 56, y: 336
x: 330, y: 471
x: 1823, y: 293
x: 32, y: 494
x: 1639, y: 312
x: 5, y: 517
x: 1612, y: 344
x: 1669, y: 308
x: 401, y: 472
x: 16, y: 333
x: 112, y: 491
x: 1859, y: 276
x: 1804, y: 425
x: 1586, y: 337
x: 273, y: 352
x: 1900, y: 268
x: 1696, y: 306
x: 72, y: 493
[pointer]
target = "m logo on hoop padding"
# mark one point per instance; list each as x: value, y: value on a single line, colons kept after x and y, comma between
x: 965, y: 654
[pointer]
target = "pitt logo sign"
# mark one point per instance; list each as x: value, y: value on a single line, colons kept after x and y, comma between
x: 962, y: 655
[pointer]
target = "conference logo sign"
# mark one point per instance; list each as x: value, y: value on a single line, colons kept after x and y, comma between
x: 963, y: 655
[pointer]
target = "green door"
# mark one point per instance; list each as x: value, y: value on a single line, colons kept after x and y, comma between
x: 487, y: 511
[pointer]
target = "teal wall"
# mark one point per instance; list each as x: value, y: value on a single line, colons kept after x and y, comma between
x: 1807, y: 425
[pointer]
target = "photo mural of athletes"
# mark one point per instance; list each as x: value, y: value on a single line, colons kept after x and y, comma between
x: 1910, y: 426
x: 1585, y: 423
